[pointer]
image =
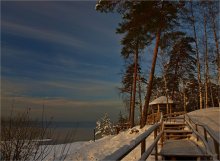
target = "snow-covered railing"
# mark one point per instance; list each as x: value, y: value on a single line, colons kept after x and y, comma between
x: 173, y: 116
x: 204, y: 139
x: 153, y: 118
x: 141, y: 139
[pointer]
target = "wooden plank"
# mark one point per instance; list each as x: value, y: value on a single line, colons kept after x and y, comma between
x: 181, y: 148
x: 174, y: 124
x: 185, y: 135
x: 174, y: 128
x: 178, y: 131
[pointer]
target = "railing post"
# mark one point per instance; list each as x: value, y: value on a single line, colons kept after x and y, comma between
x: 162, y: 139
x: 156, y: 148
x: 197, y: 138
x: 154, y: 118
x: 217, y: 149
x: 205, y: 134
x: 94, y: 134
x: 143, y: 146
x: 184, y: 118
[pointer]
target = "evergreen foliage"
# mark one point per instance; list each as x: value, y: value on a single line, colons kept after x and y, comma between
x: 166, y: 26
x: 104, y: 126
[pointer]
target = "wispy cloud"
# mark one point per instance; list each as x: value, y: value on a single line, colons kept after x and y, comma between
x: 71, y: 13
x: 62, y: 108
x: 62, y: 102
x: 86, y: 89
x: 53, y: 66
x: 61, y: 54
x: 42, y: 34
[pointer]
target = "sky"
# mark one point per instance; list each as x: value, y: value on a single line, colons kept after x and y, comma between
x: 64, y: 56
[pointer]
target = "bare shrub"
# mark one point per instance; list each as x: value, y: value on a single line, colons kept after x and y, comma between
x: 21, y: 137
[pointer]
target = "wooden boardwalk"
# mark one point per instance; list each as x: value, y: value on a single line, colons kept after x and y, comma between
x: 176, y: 143
x: 182, y: 148
x: 175, y: 138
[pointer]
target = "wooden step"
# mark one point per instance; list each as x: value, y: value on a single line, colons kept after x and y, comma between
x: 176, y: 137
x: 174, y: 128
x: 174, y: 124
x: 178, y: 131
x: 176, y: 134
x: 182, y: 148
x: 171, y: 119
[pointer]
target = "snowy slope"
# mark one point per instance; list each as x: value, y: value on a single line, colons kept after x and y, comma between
x: 100, y: 148
x: 97, y: 150
x: 209, y: 117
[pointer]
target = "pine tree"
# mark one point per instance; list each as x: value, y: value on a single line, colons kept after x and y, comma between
x: 193, y: 24
x: 104, y: 126
x: 143, y: 21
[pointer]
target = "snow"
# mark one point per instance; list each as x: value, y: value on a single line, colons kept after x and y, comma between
x: 161, y: 100
x: 98, y: 150
x: 210, y: 117
x: 101, y: 148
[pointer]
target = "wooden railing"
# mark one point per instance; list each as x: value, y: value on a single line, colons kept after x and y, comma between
x: 121, y: 127
x: 173, y: 116
x: 153, y: 118
x: 158, y: 130
x: 141, y: 139
x: 204, y: 138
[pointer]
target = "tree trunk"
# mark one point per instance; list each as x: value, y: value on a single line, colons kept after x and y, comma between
x: 149, y: 87
x: 210, y: 88
x: 217, y: 48
x: 197, y: 57
x: 139, y: 93
x: 134, y: 86
x: 175, y: 77
x: 206, y: 63
x: 166, y: 92
x: 130, y: 105
x: 184, y: 98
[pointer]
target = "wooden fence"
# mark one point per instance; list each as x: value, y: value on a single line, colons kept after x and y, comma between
x: 141, y: 139
x: 194, y: 126
x: 158, y: 130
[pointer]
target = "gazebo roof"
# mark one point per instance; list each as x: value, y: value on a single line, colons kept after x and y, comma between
x: 161, y: 100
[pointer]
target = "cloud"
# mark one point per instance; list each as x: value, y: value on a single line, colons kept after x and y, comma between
x: 62, y: 108
x: 54, y: 66
x: 92, y: 100
x: 71, y: 13
x: 61, y: 102
x: 71, y: 68
x: 42, y: 34
x: 88, y: 89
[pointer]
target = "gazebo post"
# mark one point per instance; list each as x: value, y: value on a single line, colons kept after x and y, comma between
x: 158, y: 108
x: 170, y: 108
x: 152, y: 109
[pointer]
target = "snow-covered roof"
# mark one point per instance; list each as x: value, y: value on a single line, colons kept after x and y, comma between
x: 161, y: 100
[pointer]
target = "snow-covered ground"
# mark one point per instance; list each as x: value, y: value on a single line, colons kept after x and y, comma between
x: 97, y: 150
x: 209, y: 117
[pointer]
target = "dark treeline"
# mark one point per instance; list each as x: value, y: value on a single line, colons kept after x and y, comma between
x: 183, y: 36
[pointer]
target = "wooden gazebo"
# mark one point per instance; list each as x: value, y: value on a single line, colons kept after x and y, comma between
x: 162, y: 104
